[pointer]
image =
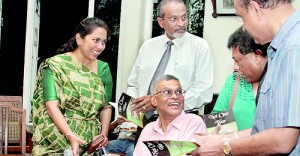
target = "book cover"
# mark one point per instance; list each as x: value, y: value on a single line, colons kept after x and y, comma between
x: 170, y: 147
x: 226, y: 119
x: 125, y: 110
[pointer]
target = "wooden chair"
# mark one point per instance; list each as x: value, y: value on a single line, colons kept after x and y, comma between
x: 10, y: 114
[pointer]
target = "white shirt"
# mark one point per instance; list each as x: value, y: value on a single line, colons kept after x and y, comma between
x: 190, y: 61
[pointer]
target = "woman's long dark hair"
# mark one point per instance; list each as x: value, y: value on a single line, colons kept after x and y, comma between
x: 85, y: 27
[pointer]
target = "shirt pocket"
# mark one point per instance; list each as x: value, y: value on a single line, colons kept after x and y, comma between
x: 185, y: 72
x: 265, y: 92
x: 263, y: 105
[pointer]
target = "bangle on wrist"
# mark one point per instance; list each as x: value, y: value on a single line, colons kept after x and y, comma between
x: 69, y: 134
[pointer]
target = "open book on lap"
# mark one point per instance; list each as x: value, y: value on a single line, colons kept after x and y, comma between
x: 170, y: 147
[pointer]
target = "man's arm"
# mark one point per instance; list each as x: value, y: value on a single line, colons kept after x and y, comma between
x: 114, y: 124
x: 201, y: 91
x: 132, y: 81
x: 271, y: 141
x: 141, y: 104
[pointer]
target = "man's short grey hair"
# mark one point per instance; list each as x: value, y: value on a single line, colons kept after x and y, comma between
x: 264, y: 3
x: 160, y: 79
x: 160, y: 10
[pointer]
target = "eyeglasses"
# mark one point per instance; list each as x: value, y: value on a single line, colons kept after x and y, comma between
x: 169, y: 93
x: 176, y: 19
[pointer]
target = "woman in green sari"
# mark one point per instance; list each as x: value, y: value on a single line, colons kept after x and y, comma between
x: 70, y: 103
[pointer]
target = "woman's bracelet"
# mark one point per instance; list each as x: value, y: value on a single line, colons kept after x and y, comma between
x: 69, y: 134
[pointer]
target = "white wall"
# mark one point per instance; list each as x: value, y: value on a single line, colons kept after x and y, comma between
x: 216, y: 32
x: 135, y: 28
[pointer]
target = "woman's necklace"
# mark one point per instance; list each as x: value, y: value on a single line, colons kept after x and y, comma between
x: 88, y: 65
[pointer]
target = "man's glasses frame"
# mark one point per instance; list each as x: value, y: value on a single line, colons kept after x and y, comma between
x: 176, y: 19
x: 169, y: 92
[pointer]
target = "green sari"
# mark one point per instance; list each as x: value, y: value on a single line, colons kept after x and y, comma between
x: 81, y: 96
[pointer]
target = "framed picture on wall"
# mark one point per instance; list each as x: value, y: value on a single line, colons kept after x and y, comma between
x: 225, y: 7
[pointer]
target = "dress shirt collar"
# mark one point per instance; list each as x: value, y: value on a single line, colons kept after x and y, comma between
x: 176, y: 123
x: 177, y: 41
x: 284, y: 32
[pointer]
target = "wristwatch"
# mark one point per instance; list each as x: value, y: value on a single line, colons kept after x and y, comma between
x: 227, y: 148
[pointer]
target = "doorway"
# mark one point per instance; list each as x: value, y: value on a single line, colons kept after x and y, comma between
x: 57, y: 24
x: 12, y: 47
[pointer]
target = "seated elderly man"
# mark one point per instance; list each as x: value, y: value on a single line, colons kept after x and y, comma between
x: 173, y: 123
